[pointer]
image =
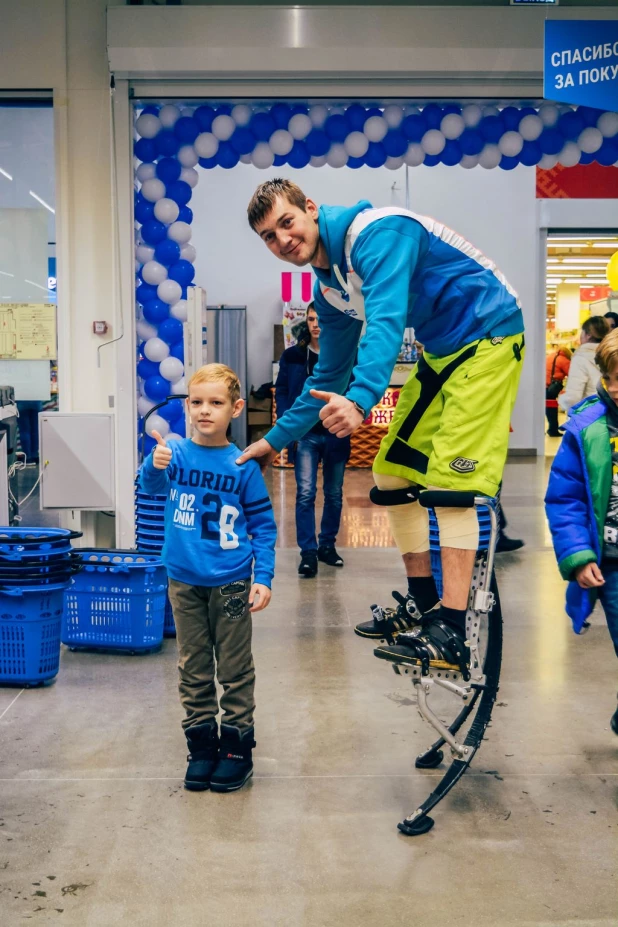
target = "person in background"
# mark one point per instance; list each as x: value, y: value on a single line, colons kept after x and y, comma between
x: 295, y: 367
x: 557, y: 365
x: 583, y: 372
x: 612, y: 319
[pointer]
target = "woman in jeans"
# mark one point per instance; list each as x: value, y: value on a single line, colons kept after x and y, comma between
x: 295, y: 366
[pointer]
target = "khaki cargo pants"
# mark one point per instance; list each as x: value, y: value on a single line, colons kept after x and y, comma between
x: 214, y: 624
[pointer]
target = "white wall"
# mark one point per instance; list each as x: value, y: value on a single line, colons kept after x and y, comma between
x: 495, y: 210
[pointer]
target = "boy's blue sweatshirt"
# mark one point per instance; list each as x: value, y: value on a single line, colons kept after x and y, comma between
x: 218, y: 516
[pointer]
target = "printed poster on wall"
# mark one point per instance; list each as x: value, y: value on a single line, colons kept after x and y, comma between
x: 28, y: 331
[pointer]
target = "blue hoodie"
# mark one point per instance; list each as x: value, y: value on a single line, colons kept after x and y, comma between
x: 412, y: 272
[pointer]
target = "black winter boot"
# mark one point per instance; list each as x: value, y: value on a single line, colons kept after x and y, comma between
x: 235, y: 765
x: 203, y: 745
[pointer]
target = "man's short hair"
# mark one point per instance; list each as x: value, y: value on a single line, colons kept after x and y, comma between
x: 217, y: 373
x: 606, y: 356
x: 596, y: 327
x: 264, y: 198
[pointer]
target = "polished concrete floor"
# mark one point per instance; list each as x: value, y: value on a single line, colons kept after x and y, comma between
x: 96, y: 829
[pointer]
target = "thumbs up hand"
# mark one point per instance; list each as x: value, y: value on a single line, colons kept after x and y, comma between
x: 162, y: 453
x: 339, y: 414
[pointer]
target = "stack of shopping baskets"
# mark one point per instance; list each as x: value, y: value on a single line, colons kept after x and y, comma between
x: 149, y: 529
x: 37, y: 566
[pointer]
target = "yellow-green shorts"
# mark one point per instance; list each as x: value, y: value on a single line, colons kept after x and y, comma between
x: 451, y: 424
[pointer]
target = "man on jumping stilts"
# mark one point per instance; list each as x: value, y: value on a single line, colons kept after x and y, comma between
x: 379, y: 271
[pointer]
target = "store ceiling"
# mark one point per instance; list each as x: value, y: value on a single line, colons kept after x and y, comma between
x: 577, y: 258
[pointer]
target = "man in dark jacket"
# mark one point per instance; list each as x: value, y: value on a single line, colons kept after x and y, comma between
x: 295, y: 366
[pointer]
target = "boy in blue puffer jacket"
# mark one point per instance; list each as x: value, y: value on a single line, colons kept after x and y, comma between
x: 582, y: 501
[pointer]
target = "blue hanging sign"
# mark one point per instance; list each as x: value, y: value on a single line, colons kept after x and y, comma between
x: 581, y: 62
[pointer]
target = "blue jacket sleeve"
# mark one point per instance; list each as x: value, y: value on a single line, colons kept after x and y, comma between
x: 339, y: 336
x: 152, y: 481
x: 385, y: 257
x: 261, y: 526
x: 282, y: 387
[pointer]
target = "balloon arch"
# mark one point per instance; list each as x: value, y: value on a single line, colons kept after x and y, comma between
x: 171, y: 141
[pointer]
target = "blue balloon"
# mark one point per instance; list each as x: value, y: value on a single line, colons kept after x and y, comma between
x: 299, y: 109
x: 170, y: 330
x: 204, y: 116
x: 208, y: 163
x: 166, y: 143
x: 149, y: 443
x: 551, y: 141
x: 372, y: 111
x: 282, y: 114
x: 376, y: 155
x: 395, y: 143
x: 227, y: 156
x: 451, y: 153
x: 414, y: 127
x: 299, y: 155
x: 511, y: 117
x: 491, y: 128
x: 150, y: 110
x: 186, y: 130
x: 431, y: 160
x: 155, y: 311
x: 182, y: 272
x: 243, y: 140
x: 433, y: 115
x: 172, y: 410
x: 168, y: 169
x: 589, y: 114
x: 157, y: 388
x: 530, y: 154
x: 587, y: 158
x: 507, y: 164
x: 153, y: 232
x: 167, y: 252
x: 280, y: 160
x: 471, y: 142
x: 178, y: 350
x: 337, y: 128
x: 179, y: 191
x: 145, y: 292
x: 356, y: 116
x: 224, y: 109
x: 144, y: 209
x: 318, y: 143
x: 179, y: 426
x: 185, y: 214
x: 355, y: 163
x: 262, y: 125
x: 608, y: 152
x: 147, y: 368
x: 527, y: 111
x: 145, y: 149
x: 184, y: 291
x: 571, y: 124
x: 140, y: 349
x: 451, y: 108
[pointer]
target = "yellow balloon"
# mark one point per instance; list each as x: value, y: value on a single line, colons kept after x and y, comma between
x: 612, y: 271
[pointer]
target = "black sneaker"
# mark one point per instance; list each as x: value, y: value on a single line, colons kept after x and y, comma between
x: 387, y: 623
x: 330, y: 556
x: 506, y: 545
x: 203, y: 744
x: 308, y: 564
x: 433, y: 643
x: 235, y: 764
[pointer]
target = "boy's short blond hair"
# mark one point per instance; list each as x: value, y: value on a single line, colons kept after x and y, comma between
x: 217, y: 373
x: 606, y: 355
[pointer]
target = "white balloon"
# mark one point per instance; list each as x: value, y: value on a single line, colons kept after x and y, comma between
x: 187, y: 156
x: 172, y: 369
x: 590, y: 140
x: 172, y: 436
x: 548, y: 114
x: 414, y: 155
x: 144, y: 253
x: 188, y: 253
x: 393, y: 115
x: 262, y: 156
x: 472, y: 115
x: 393, y: 164
x: 490, y: 157
x: 469, y: 161
x: 180, y: 232
x: 223, y: 127
x: 146, y: 171
x: 190, y: 176
x: 144, y: 405
x: 157, y: 423
x: 168, y: 115
x: 179, y: 387
x: 511, y: 144
x: 154, y: 273
x: 318, y: 161
x: 206, y: 145
x: 166, y: 210
x: 452, y: 125
x: 156, y: 350
x: 607, y: 124
x: 169, y: 291
x: 337, y: 156
x: 433, y: 142
x: 530, y: 127
x: 281, y: 142
x: 318, y: 115
x: 570, y: 155
x: 145, y: 330
x: 153, y: 189
x: 179, y: 310
x: 356, y: 144
x: 300, y: 126
x: 547, y: 162
x: 241, y: 114
x: 490, y: 111
x: 375, y: 128
x: 148, y: 125
x: 245, y: 159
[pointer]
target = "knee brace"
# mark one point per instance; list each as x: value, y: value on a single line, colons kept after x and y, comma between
x: 409, y: 521
x: 459, y: 528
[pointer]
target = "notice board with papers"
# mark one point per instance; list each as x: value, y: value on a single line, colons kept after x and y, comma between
x: 28, y: 331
